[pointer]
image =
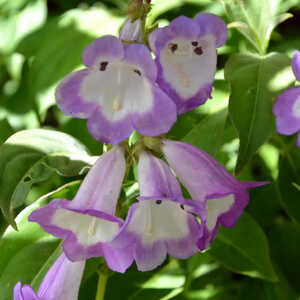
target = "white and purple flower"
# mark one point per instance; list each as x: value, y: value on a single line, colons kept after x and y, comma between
x: 161, y: 222
x: 287, y: 106
x: 62, y: 282
x: 117, y: 92
x: 222, y: 195
x: 87, y: 223
x: 186, y: 57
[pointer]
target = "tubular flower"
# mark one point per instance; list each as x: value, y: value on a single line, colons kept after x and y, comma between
x: 222, y: 195
x: 161, y: 222
x: 186, y: 58
x: 117, y: 92
x: 60, y: 283
x: 287, y: 106
x: 88, y: 223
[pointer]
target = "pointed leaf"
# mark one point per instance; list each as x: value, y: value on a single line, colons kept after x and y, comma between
x: 255, y: 82
x: 31, y: 156
x: 244, y: 249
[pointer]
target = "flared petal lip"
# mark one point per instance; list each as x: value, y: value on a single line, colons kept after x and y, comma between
x: 126, y: 238
x: 213, y: 24
x: 226, y: 219
x: 286, y: 122
x: 107, y: 47
x: 182, y: 27
x: 109, y: 132
x: 189, y: 29
x: 44, y: 215
x: 184, y: 105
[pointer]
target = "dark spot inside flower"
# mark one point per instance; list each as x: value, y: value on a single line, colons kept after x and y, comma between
x: 198, y: 51
x: 158, y: 201
x: 138, y: 72
x: 173, y: 47
x: 103, y: 65
x: 182, y: 206
x: 195, y: 43
x: 27, y: 179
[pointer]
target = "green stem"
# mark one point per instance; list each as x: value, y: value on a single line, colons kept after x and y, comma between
x: 103, y: 277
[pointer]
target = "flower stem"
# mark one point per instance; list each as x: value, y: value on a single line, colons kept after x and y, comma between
x: 102, y: 281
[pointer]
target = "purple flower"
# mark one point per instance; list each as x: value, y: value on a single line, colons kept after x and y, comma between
x: 210, y: 184
x: 186, y: 57
x: 131, y: 31
x: 62, y: 282
x: 88, y: 223
x: 287, y: 106
x: 161, y: 222
x: 117, y: 92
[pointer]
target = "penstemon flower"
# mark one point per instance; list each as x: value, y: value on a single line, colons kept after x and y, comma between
x: 117, y: 92
x: 161, y: 222
x: 287, y: 106
x: 87, y: 223
x: 223, y: 196
x: 186, y: 58
x: 62, y: 282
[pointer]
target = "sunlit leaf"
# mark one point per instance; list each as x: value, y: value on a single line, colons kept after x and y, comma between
x: 244, y: 249
x: 32, y: 156
x: 23, y: 252
x: 255, y: 82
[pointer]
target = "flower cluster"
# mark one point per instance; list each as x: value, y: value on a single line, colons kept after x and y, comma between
x: 287, y: 106
x: 122, y: 89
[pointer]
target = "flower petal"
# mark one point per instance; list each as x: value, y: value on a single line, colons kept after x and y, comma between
x: 287, y: 111
x: 157, y: 120
x: 131, y: 31
x: 118, y: 260
x: 211, y: 23
x: 221, y: 210
x: 69, y: 99
x: 122, y: 90
x: 106, y: 48
x: 101, y: 187
x: 200, y: 173
x: 24, y: 293
x: 207, y: 181
x: 296, y: 64
x: 108, y: 130
x: 62, y: 281
x: 156, y: 179
x: 156, y: 228
x: 186, y: 58
x: 138, y: 55
x: 84, y: 231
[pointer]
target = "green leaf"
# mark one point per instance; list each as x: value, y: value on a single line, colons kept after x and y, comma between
x: 284, y: 244
x: 37, y: 280
x: 255, y: 19
x: 262, y: 290
x: 5, y: 130
x: 23, y: 252
x: 53, y: 60
x: 255, y: 81
x: 289, y: 176
x: 31, y: 156
x: 244, y: 249
x: 212, y: 123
